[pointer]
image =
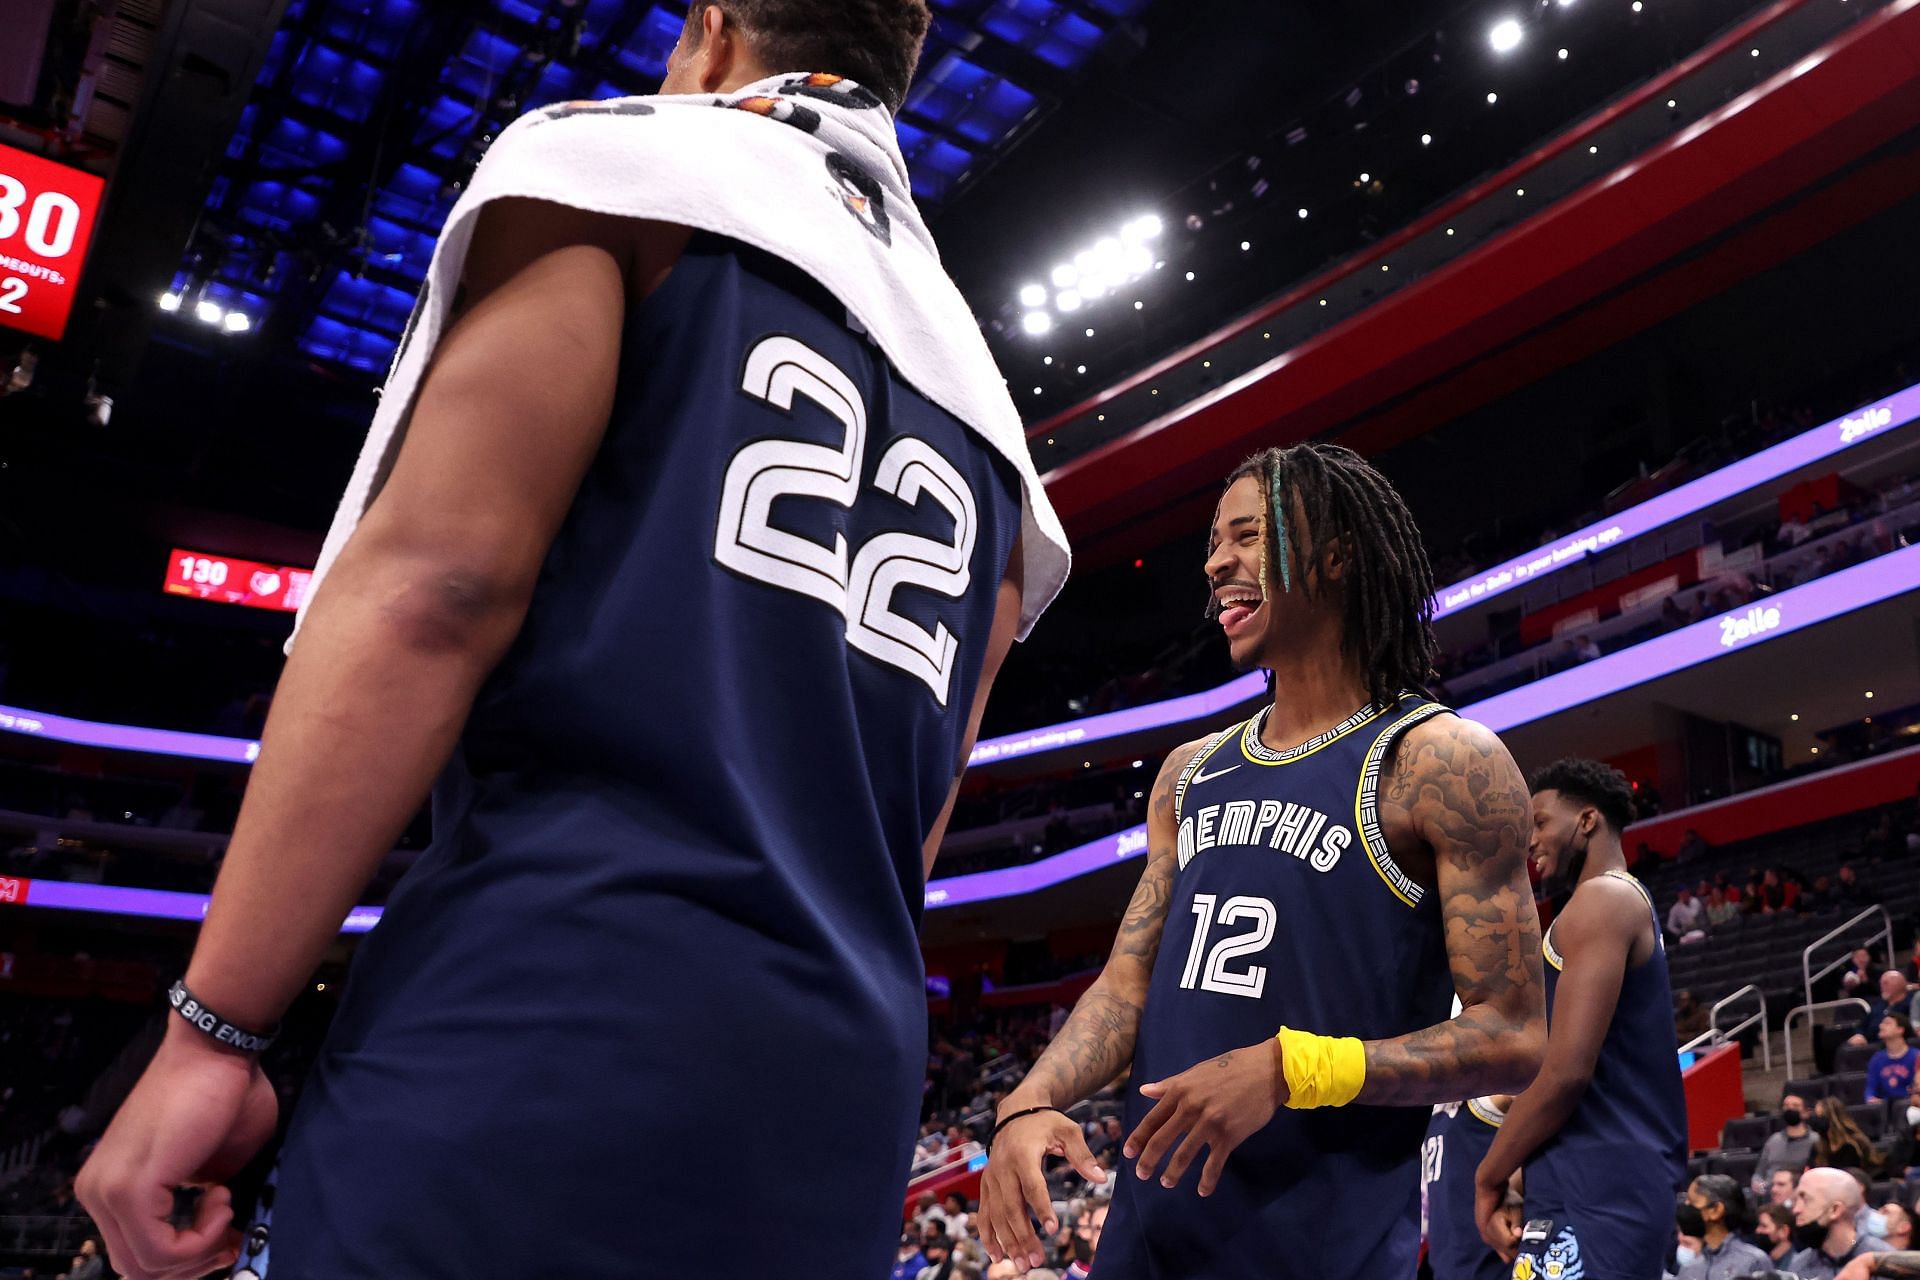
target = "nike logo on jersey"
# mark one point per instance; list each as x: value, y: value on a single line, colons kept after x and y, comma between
x: 1307, y: 834
x: 1204, y: 776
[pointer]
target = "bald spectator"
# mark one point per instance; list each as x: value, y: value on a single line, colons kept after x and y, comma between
x: 1824, y: 1207
x: 1894, y: 997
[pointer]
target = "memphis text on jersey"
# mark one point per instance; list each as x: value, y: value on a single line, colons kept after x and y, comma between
x: 1307, y: 834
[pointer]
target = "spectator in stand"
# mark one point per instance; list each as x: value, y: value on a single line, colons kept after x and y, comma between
x: 1689, y: 1016
x: 1086, y: 1241
x: 1859, y: 975
x: 1824, y: 1207
x: 1911, y: 969
x: 1893, y: 998
x: 1840, y: 1142
x: 1899, y: 1224
x: 909, y: 1262
x: 1693, y: 845
x: 1105, y: 1136
x: 956, y: 1207
x: 1584, y: 649
x: 1890, y: 1072
x: 1816, y: 899
x: 1847, y: 889
x: 939, y: 1252
x: 1726, y: 885
x: 1687, y: 918
x: 89, y: 1265
x: 1781, y: 1187
x: 1776, y: 893
x: 1775, y: 1231
x: 1786, y: 1151
x: 1723, y: 1211
x: 1750, y: 898
x: 1690, y: 1231
x: 1719, y: 910
x: 1793, y: 532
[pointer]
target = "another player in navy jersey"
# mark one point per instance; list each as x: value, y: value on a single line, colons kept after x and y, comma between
x: 684, y: 600
x: 1602, y: 1132
x: 1321, y: 881
x: 1458, y: 1138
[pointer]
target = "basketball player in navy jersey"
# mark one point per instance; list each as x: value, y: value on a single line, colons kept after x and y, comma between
x: 1458, y: 1138
x: 1320, y: 881
x: 681, y: 824
x: 1602, y: 1132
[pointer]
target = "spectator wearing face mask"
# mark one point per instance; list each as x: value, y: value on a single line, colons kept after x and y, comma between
x: 1824, y: 1208
x: 1890, y: 1072
x: 1776, y: 1232
x: 1790, y: 1149
x: 1898, y: 1221
x: 1722, y: 1254
x: 908, y: 1263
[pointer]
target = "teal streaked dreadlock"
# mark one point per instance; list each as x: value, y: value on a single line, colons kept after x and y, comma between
x: 1317, y: 494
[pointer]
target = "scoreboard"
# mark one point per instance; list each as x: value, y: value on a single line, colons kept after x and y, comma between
x: 46, y: 224
x: 230, y: 581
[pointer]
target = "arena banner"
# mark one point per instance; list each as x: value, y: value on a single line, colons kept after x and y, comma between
x: 47, y: 212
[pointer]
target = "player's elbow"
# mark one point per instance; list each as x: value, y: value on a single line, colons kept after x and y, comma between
x: 437, y: 601
x: 1522, y: 1052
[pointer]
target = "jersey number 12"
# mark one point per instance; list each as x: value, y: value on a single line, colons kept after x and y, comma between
x: 859, y: 587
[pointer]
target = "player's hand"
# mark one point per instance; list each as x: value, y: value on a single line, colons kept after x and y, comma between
x: 1015, y: 1183
x: 197, y: 1116
x: 1217, y: 1105
x: 1495, y: 1229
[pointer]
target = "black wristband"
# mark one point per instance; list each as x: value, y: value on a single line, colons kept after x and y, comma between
x: 1015, y: 1116
x: 209, y: 1023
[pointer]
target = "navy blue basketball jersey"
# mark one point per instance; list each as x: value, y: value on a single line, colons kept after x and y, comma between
x: 1458, y: 1138
x: 1287, y: 909
x: 675, y: 882
x: 1615, y: 1166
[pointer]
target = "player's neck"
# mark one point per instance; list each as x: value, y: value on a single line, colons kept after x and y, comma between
x: 1312, y: 692
x: 1603, y: 855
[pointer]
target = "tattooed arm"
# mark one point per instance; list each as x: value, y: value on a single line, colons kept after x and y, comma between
x: 1095, y: 1045
x: 1454, y: 790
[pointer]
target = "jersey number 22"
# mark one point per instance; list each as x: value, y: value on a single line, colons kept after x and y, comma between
x: 860, y: 587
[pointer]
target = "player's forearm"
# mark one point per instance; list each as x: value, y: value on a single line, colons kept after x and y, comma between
x: 1902, y: 1264
x: 1534, y: 1117
x: 1095, y: 1045
x: 1484, y: 1050
x: 364, y: 718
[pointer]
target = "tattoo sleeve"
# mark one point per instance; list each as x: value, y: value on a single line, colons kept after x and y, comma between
x: 1096, y: 1043
x: 1454, y: 784
x: 1902, y: 1263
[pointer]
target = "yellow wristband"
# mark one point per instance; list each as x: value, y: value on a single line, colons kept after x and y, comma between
x: 1321, y: 1071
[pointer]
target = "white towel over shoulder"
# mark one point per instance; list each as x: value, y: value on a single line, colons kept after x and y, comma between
x: 804, y: 167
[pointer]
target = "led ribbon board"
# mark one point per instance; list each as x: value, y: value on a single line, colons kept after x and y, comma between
x: 1877, y: 580
x: 46, y: 223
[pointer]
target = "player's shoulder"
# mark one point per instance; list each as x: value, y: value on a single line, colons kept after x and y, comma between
x: 1605, y: 904
x: 1180, y: 757
x: 1451, y: 741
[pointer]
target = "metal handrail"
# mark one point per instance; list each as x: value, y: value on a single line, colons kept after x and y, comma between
x: 1717, y: 1036
x: 1786, y: 1023
x: 1806, y: 956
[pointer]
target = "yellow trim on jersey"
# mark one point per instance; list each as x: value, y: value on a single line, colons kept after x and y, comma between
x: 1366, y: 818
x: 1250, y: 736
x: 1482, y: 1114
x: 1546, y: 939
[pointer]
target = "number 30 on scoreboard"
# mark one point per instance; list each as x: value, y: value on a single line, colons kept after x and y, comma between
x: 46, y: 221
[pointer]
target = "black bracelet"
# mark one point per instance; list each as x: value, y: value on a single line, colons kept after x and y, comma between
x: 1015, y: 1116
x: 209, y: 1023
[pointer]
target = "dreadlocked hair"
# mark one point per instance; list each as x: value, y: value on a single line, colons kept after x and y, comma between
x: 1338, y: 496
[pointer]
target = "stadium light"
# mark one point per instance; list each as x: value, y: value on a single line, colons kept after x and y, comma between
x: 238, y: 322
x: 1067, y: 300
x: 169, y: 302
x: 1505, y: 36
x: 1033, y: 295
x: 209, y: 312
x: 1036, y: 322
x: 1064, y: 276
